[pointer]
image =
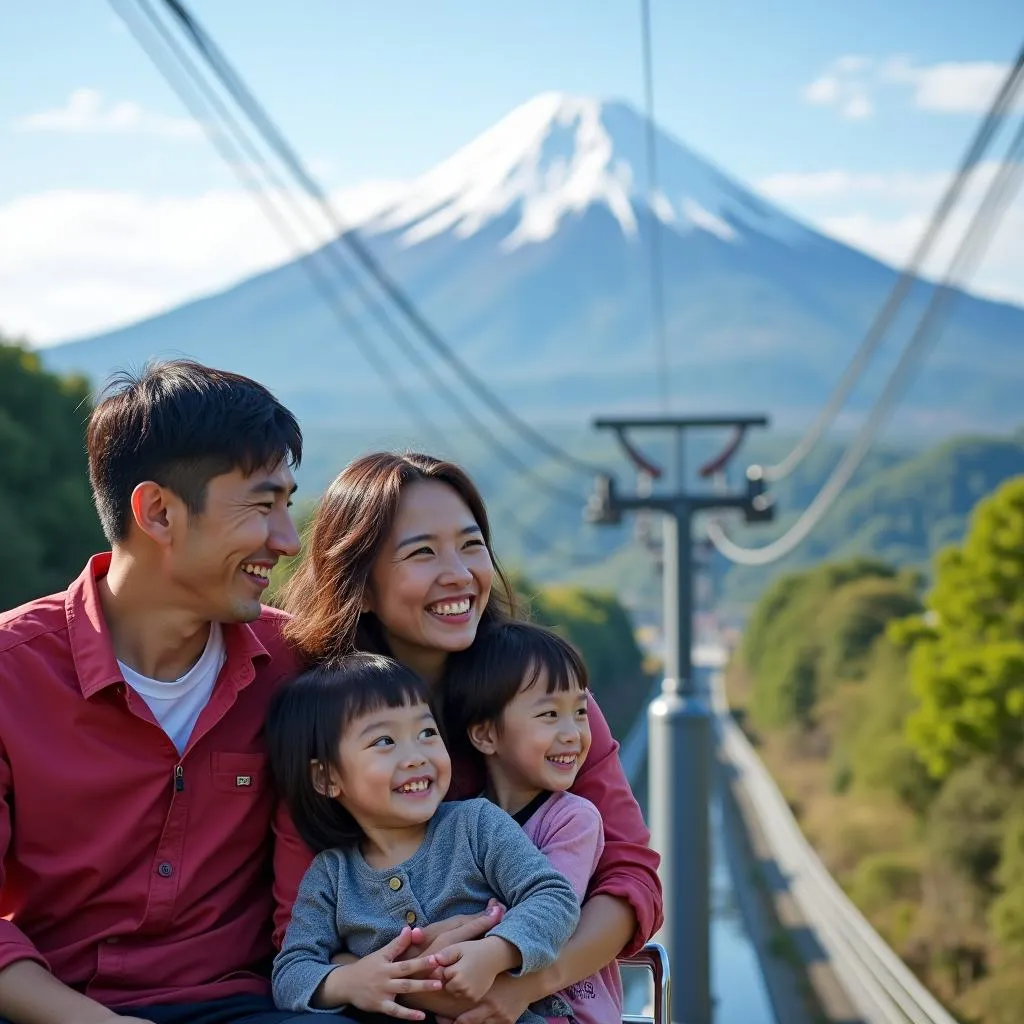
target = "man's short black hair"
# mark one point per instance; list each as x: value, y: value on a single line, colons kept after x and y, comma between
x: 180, y: 424
x: 480, y: 682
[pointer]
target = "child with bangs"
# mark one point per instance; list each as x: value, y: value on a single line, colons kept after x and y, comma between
x: 519, y: 697
x: 359, y: 760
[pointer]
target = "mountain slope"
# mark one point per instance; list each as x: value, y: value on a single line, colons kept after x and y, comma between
x: 529, y: 251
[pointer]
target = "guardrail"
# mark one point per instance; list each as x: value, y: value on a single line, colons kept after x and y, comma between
x: 654, y: 958
x: 881, y: 987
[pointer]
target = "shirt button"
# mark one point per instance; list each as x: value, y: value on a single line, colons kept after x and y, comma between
x: 112, y: 940
x: 165, y: 870
x: 395, y: 883
x: 410, y: 918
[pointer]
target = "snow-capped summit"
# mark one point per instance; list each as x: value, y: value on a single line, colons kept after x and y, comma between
x: 554, y: 156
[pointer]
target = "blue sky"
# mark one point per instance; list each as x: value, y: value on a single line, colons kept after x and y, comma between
x: 849, y: 114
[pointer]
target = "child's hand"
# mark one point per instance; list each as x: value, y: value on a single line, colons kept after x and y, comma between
x: 453, y: 930
x: 469, y: 968
x: 373, y: 982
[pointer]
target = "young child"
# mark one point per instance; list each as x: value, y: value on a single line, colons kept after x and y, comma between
x: 519, y: 697
x: 358, y: 758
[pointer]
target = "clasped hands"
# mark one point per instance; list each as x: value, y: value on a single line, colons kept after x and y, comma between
x: 452, y: 954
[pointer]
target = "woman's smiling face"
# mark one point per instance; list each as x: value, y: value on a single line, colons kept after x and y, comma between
x: 432, y: 579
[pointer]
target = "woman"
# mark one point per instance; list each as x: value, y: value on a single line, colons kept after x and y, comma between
x: 399, y: 561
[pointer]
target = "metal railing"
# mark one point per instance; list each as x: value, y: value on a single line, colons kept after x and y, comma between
x: 881, y: 987
x: 654, y: 959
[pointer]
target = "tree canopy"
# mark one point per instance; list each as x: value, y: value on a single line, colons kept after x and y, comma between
x: 967, y: 650
x: 815, y: 628
x: 46, y: 510
x: 897, y: 728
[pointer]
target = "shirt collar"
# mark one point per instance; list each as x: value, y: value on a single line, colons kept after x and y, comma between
x: 93, y: 649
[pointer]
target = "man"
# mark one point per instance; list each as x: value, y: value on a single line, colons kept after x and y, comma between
x: 135, y: 803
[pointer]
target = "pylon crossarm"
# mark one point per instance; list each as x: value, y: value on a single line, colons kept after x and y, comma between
x: 637, y: 457
x: 717, y: 465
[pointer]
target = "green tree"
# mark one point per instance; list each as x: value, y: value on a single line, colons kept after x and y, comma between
x: 855, y: 616
x: 596, y: 622
x: 874, y: 733
x: 1006, y: 915
x: 966, y: 823
x: 967, y: 651
x: 46, y: 510
x: 815, y: 628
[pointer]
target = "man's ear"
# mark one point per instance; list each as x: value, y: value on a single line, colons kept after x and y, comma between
x: 484, y: 736
x: 156, y: 511
x: 325, y: 780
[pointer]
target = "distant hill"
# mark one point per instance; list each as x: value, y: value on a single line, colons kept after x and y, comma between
x: 902, y: 514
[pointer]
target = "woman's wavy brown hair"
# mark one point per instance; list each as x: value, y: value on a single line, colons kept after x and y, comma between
x: 343, y: 539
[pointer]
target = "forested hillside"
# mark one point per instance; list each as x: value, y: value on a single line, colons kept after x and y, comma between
x: 894, y: 722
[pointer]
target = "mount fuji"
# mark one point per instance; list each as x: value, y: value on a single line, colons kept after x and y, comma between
x: 529, y: 251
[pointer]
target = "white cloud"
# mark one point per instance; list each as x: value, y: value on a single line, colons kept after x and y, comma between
x: 902, y: 186
x: 1000, y: 275
x: 842, y: 86
x: 857, y: 108
x: 74, y: 261
x: 851, y: 62
x: 966, y: 87
x: 850, y: 84
x: 886, y: 214
x: 85, y: 113
x: 823, y: 91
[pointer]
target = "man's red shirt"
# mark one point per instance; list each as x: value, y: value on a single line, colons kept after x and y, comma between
x: 135, y: 874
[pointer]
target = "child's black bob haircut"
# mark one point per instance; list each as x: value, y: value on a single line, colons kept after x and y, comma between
x: 506, y: 657
x: 305, y: 723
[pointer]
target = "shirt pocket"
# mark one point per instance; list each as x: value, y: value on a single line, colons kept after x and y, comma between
x: 242, y: 774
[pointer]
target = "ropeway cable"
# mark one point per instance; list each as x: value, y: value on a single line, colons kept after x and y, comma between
x: 229, y: 152
x: 233, y: 83
x: 976, y: 149
x: 971, y: 249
